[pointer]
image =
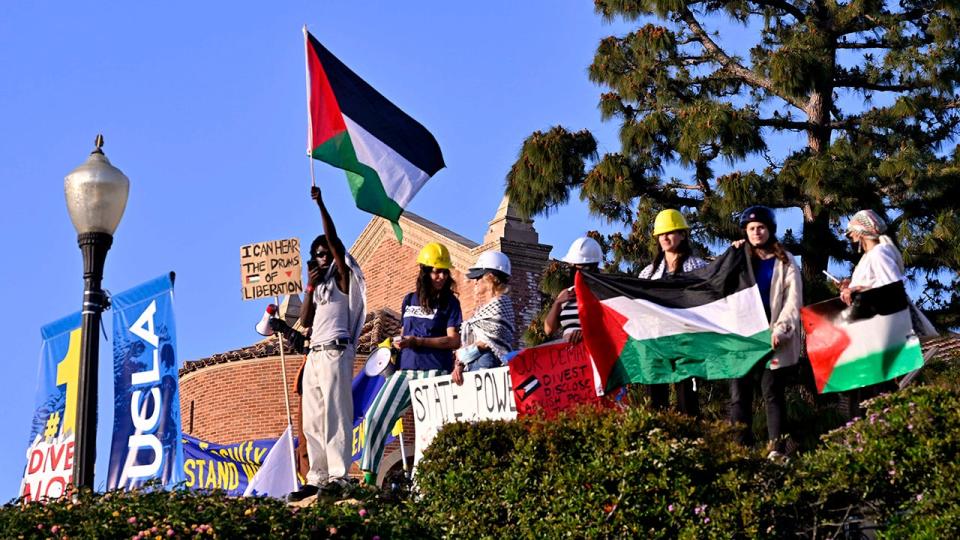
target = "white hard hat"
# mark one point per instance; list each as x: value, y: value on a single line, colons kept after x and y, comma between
x: 490, y: 260
x: 583, y: 250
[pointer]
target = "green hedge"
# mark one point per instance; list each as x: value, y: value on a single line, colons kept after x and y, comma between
x: 188, y: 514
x: 596, y: 474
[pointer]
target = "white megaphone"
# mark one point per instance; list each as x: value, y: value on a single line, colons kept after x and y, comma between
x: 263, y: 327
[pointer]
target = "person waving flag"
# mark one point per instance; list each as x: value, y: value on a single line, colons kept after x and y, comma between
x: 387, y: 155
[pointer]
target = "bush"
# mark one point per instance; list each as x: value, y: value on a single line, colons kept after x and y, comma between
x: 897, y: 466
x: 188, y: 514
x: 597, y: 473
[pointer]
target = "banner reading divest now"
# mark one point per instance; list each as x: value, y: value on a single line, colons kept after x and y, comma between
x: 50, y: 454
x: 146, y: 427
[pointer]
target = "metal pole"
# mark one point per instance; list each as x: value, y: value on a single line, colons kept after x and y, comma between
x: 286, y: 401
x: 306, y: 60
x: 94, y: 247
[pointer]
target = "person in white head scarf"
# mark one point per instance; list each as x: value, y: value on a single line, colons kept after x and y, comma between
x: 880, y: 265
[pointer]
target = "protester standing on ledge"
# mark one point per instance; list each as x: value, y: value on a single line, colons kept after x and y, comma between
x: 880, y: 265
x: 674, y: 256
x: 781, y: 292
x: 487, y: 336
x: 584, y: 254
x: 334, y: 307
x: 431, y: 320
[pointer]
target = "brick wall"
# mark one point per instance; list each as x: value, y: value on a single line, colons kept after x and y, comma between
x: 239, y: 401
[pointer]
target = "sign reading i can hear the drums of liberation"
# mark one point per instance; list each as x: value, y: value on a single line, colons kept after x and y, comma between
x: 269, y: 269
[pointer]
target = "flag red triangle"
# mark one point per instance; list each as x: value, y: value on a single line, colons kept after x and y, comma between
x: 825, y: 343
x: 289, y: 273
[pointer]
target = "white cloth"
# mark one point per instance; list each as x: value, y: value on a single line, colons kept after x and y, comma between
x: 689, y: 265
x: 327, y: 409
x: 878, y: 267
x: 786, y: 296
x: 277, y: 476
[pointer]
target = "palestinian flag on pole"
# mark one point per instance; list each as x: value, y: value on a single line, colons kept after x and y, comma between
x: 387, y: 155
x: 708, y: 323
x: 867, y: 343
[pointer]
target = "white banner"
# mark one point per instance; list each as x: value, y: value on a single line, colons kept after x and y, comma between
x: 485, y: 395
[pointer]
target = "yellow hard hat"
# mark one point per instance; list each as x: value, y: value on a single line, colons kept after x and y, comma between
x: 669, y: 220
x: 435, y: 255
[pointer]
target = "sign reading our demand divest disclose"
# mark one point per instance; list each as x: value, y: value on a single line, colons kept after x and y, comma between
x: 50, y: 454
x: 269, y: 269
x: 146, y: 428
x: 484, y: 395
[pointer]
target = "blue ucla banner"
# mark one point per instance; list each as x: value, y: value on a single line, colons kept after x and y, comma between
x: 146, y: 427
x: 229, y: 467
x: 50, y: 446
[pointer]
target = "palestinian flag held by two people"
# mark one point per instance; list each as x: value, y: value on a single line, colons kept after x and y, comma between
x: 869, y: 342
x: 708, y: 323
x: 387, y: 155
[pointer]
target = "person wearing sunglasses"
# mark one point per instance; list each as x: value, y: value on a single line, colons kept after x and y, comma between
x: 334, y: 308
x: 431, y: 318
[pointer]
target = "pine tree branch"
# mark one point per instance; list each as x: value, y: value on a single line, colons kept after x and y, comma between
x: 794, y: 125
x: 856, y: 82
x: 884, y: 44
x: 869, y: 22
x: 784, y: 6
x: 729, y: 64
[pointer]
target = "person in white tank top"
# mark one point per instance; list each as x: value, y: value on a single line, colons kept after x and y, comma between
x: 334, y: 309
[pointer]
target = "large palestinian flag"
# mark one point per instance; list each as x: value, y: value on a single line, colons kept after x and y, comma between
x: 709, y: 323
x: 869, y: 342
x: 387, y: 155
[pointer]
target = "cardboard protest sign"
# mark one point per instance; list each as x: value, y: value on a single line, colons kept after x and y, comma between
x: 484, y: 395
x: 269, y: 269
x: 552, y: 378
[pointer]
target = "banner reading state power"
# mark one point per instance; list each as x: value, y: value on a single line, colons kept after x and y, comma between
x: 50, y: 454
x: 146, y: 427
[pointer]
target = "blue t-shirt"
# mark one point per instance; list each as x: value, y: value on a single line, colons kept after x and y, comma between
x: 419, y: 323
x: 763, y: 272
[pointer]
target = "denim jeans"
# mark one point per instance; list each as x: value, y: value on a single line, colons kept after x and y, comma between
x: 486, y: 360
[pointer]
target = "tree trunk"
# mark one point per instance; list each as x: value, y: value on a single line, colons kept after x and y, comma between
x: 816, y: 225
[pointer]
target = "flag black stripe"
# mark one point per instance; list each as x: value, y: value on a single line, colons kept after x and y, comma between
x: 728, y: 274
x: 376, y: 114
x: 885, y: 300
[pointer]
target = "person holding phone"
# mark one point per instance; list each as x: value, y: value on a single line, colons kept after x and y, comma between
x: 334, y: 308
x: 431, y: 319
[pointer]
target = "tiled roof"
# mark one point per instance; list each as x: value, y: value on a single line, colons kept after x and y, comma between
x: 379, y: 325
x: 948, y: 346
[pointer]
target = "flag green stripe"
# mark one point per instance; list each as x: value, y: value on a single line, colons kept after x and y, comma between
x: 365, y: 183
x: 709, y: 355
x: 875, y: 368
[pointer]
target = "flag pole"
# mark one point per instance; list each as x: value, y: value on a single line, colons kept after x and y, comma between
x: 286, y: 400
x: 306, y: 65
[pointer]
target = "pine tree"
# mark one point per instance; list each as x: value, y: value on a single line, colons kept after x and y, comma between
x: 864, y: 90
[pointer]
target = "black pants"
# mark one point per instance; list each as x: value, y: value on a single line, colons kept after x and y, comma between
x: 741, y: 403
x: 687, y: 401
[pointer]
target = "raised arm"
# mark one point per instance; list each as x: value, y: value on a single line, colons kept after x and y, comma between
x: 333, y: 242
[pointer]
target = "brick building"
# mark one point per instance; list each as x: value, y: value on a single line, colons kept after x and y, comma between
x: 238, y: 395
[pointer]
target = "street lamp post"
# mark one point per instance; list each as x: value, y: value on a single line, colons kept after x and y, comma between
x: 96, y: 193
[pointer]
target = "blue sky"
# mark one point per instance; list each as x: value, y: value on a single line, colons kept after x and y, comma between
x: 203, y: 107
